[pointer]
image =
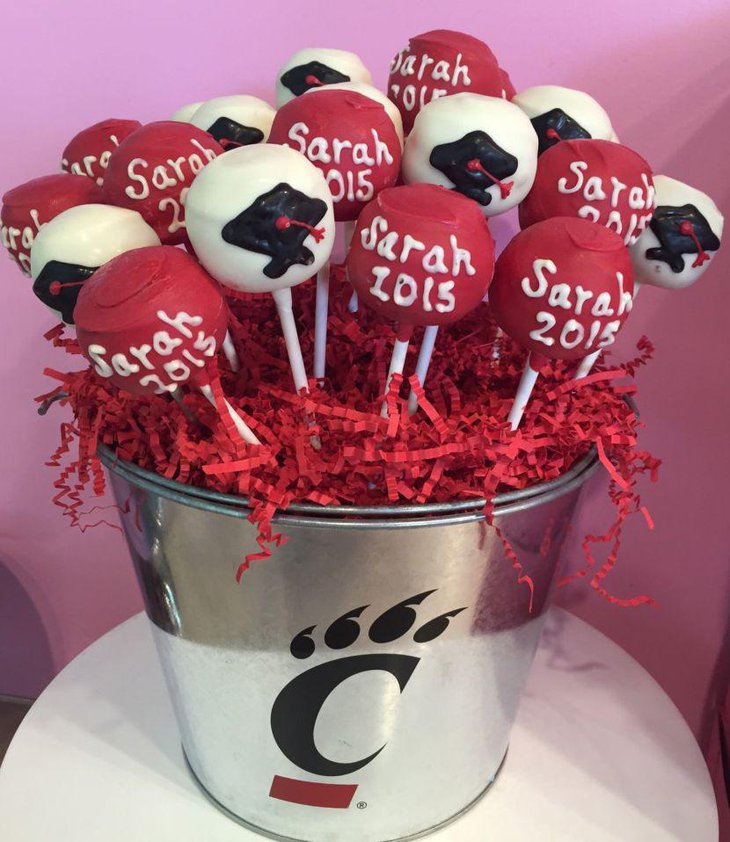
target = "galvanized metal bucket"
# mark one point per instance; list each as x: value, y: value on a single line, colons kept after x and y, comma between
x: 360, y: 684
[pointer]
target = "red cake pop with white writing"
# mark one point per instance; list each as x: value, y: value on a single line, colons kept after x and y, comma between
x: 27, y: 207
x: 352, y: 139
x: 441, y: 63
x: 562, y: 289
x: 88, y: 152
x: 597, y: 180
x: 349, y: 137
x: 151, y: 320
x: 152, y: 170
x: 421, y: 255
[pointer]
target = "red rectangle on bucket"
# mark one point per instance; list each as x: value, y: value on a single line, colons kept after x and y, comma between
x: 312, y: 794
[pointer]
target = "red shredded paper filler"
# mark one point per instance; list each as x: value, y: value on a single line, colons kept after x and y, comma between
x: 457, y: 446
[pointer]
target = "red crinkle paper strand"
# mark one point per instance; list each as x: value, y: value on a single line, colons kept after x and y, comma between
x: 457, y: 446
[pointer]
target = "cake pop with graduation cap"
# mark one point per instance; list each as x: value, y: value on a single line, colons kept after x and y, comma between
x: 563, y: 114
x: 682, y: 238
x: 70, y: 248
x: 261, y: 219
x: 238, y: 120
x: 483, y: 147
x: 315, y: 67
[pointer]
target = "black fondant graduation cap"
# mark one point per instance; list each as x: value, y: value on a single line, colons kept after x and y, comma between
x: 231, y: 134
x: 59, y: 285
x: 554, y: 126
x: 475, y: 163
x: 277, y: 223
x: 313, y: 74
x: 681, y: 230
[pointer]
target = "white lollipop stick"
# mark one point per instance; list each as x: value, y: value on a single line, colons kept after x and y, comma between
x: 524, y: 390
x: 229, y: 350
x: 320, y: 321
x: 424, y: 361
x: 283, y: 300
x: 586, y: 364
x: 244, y: 430
x: 352, y: 305
x: 397, y: 364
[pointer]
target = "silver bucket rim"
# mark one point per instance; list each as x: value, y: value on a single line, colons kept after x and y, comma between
x: 361, y: 517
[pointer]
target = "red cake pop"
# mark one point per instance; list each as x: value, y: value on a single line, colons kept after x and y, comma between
x: 562, y: 289
x: 27, y: 207
x: 440, y: 63
x: 597, y: 180
x: 152, y: 170
x: 151, y: 320
x: 421, y: 255
x: 349, y: 137
x: 88, y: 152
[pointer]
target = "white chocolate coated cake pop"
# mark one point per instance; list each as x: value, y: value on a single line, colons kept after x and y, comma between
x: 482, y: 146
x: 681, y: 239
x: 373, y: 93
x: 317, y: 66
x: 238, y: 120
x: 185, y: 113
x: 564, y: 114
x: 71, y: 247
x: 261, y: 219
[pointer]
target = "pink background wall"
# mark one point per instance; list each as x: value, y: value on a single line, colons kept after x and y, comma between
x: 662, y: 71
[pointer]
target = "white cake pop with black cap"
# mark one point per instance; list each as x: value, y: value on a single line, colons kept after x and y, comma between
x: 238, y: 120
x: 70, y: 248
x: 484, y: 147
x: 564, y: 114
x: 373, y: 93
x: 261, y: 219
x: 317, y: 66
x: 682, y: 238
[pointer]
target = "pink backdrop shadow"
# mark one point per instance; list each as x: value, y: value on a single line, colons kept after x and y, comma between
x: 662, y: 72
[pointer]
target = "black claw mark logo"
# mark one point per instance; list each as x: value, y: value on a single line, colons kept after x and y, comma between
x: 554, y: 126
x: 474, y: 164
x: 231, y: 134
x: 295, y: 711
x: 681, y: 230
x: 276, y: 224
x: 59, y: 284
x: 311, y: 75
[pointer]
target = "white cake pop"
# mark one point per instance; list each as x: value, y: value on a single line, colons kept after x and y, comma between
x: 564, y: 114
x: 484, y: 147
x: 373, y: 93
x: 681, y: 239
x: 317, y: 66
x: 71, y: 247
x: 261, y: 219
x: 185, y: 113
x: 238, y: 120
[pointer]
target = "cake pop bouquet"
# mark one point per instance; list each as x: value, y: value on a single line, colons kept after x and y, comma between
x: 194, y: 256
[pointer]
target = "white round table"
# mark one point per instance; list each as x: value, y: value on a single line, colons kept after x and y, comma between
x: 598, y: 754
